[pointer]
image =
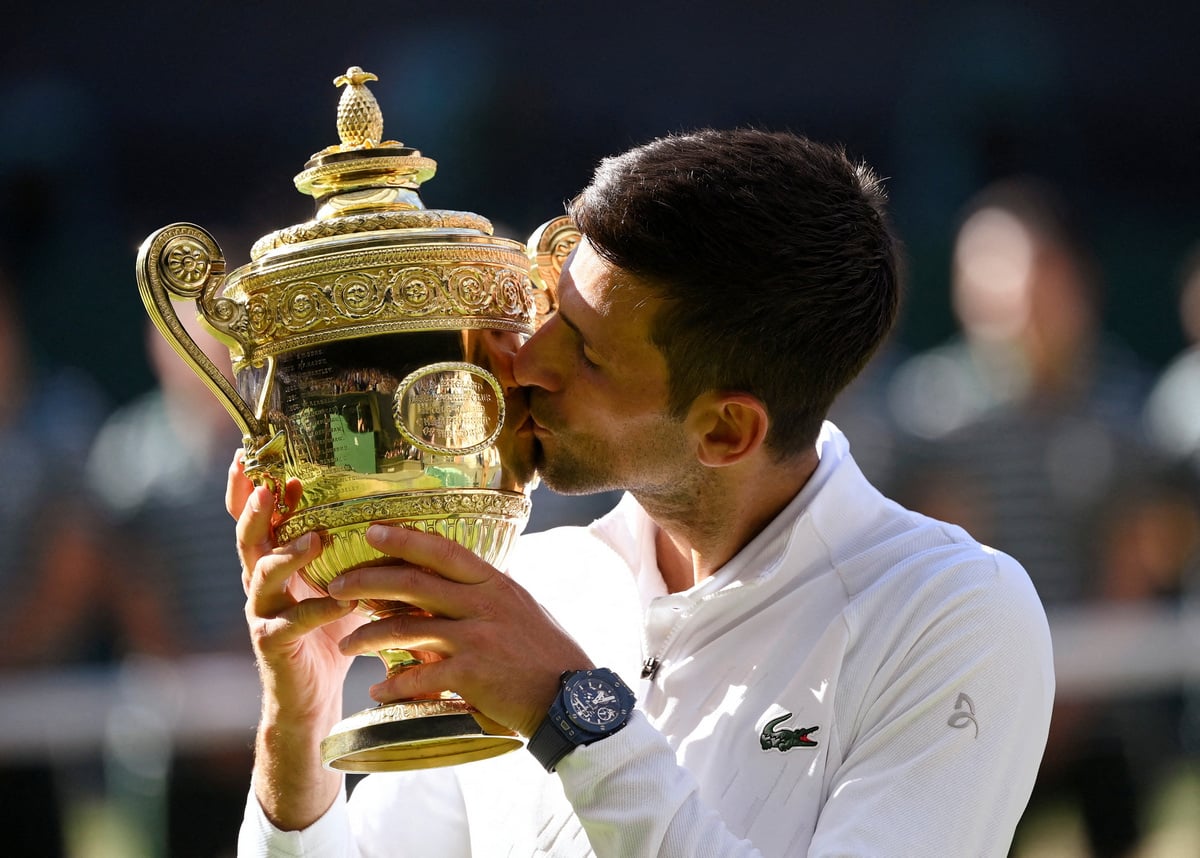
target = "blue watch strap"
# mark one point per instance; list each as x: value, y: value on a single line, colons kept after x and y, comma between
x: 548, y: 744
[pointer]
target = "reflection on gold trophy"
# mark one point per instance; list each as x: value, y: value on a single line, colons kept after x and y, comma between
x: 369, y: 346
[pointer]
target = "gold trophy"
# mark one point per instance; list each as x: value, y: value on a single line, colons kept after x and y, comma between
x: 369, y: 346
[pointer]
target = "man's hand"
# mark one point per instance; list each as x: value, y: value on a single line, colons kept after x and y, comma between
x: 500, y: 651
x: 295, y: 632
x: 294, y: 629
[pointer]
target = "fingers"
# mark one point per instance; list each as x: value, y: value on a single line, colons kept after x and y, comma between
x: 267, y: 592
x: 266, y: 569
x: 412, y: 585
x: 421, y: 680
x: 291, y: 493
x: 415, y: 632
x: 445, y: 556
x: 494, y: 644
x: 253, y: 529
x: 415, y: 581
x: 238, y: 485
x: 294, y: 622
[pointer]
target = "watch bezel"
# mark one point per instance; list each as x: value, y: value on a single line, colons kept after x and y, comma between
x: 619, y: 690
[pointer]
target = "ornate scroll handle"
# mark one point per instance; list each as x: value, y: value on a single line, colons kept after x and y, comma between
x: 548, y: 249
x: 181, y: 262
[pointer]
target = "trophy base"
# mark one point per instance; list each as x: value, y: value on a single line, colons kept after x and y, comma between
x: 413, y: 734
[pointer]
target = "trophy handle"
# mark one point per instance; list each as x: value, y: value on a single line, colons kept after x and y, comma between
x: 548, y: 249
x: 183, y: 261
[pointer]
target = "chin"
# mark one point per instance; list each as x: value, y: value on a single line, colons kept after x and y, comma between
x: 570, y: 481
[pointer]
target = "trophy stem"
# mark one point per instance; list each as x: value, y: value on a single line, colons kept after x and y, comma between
x: 419, y: 733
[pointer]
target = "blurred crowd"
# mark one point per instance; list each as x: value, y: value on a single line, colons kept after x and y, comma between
x: 1043, y: 435
x: 1033, y: 427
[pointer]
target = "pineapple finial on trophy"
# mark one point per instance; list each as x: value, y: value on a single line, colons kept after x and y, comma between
x: 359, y: 119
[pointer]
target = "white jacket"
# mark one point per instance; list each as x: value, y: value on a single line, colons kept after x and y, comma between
x: 858, y: 681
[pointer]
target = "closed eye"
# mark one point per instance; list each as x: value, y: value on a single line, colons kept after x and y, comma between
x: 587, y: 358
x: 586, y: 353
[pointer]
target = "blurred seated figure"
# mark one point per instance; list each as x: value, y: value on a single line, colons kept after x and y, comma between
x: 1172, y: 421
x: 55, y: 608
x: 64, y: 605
x: 158, y: 465
x: 1114, y: 755
x: 152, y: 467
x: 1026, y: 420
x: 1024, y: 428
x: 1172, y: 414
x: 1025, y: 291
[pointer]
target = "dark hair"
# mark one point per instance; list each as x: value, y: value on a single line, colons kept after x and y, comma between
x: 773, y: 255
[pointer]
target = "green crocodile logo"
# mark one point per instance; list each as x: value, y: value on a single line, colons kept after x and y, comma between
x: 786, y: 739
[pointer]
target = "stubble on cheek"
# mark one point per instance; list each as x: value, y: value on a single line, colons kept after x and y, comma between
x: 574, y: 468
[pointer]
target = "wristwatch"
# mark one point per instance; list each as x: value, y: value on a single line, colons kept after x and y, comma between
x: 590, y: 705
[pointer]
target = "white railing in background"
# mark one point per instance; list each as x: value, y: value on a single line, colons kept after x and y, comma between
x: 144, y: 704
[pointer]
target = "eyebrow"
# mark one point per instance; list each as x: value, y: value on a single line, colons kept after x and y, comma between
x: 567, y: 321
x: 584, y: 340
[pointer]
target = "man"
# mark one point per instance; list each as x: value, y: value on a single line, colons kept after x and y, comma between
x: 822, y: 672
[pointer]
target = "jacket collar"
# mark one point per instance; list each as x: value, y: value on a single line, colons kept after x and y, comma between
x: 821, y: 504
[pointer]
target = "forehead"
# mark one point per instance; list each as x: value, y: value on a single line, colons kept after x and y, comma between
x: 608, y: 305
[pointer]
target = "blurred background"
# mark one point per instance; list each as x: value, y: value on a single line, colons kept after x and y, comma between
x: 1042, y: 388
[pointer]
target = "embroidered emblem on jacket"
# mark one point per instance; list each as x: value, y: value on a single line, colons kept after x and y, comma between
x: 786, y: 739
x: 964, y: 714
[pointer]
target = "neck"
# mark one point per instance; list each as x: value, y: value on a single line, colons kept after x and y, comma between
x: 726, y: 512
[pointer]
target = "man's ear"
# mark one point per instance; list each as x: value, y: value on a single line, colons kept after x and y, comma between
x: 727, y: 427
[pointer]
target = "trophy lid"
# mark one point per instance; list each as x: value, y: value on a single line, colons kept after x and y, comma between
x: 373, y: 259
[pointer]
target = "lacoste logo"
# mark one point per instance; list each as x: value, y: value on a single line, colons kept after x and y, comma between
x: 786, y: 739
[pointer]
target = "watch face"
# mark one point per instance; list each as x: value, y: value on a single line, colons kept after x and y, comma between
x: 594, y: 703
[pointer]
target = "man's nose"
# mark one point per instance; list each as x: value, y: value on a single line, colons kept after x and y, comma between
x: 502, y: 351
x: 533, y: 364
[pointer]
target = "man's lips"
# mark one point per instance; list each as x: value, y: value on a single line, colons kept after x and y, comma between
x: 538, y: 425
x: 518, y: 418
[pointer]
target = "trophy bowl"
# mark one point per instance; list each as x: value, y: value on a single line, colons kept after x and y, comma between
x: 372, y: 350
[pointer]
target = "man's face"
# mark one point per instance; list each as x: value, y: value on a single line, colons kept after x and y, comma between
x: 598, y: 387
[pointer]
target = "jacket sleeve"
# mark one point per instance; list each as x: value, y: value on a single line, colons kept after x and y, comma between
x: 634, y: 799
x: 393, y: 815
x: 328, y: 837
x: 945, y: 738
